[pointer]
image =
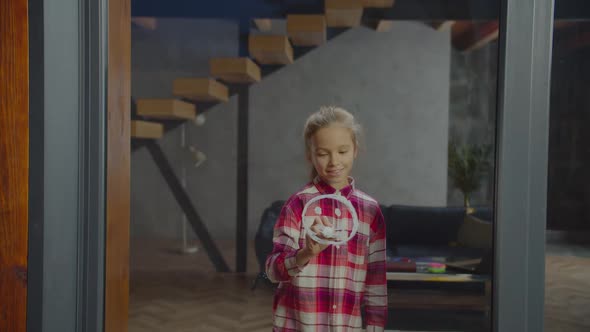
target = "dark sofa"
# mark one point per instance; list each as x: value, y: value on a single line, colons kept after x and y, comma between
x: 412, y: 231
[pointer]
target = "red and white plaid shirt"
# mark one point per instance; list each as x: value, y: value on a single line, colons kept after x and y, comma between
x: 328, y: 293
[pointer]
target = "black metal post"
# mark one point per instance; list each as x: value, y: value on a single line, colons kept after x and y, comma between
x: 242, y: 186
x: 185, y: 203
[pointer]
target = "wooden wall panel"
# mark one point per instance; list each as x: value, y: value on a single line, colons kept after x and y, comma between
x: 14, y: 163
x: 118, y: 167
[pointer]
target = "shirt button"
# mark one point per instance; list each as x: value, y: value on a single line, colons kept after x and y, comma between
x: 338, y: 212
x: 334, y: 307
x: 337, y: 247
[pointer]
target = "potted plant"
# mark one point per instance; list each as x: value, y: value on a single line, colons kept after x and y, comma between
x: 468, y: 164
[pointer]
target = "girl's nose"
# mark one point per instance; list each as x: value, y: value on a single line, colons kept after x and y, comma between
x: 333, y: 159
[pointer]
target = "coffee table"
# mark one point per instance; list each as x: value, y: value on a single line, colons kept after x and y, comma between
x: 451, y: 299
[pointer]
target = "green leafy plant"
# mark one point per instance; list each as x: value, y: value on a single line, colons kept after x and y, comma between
x: 468, y: 164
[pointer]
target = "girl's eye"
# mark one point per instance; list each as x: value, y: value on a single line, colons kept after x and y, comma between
x: 343, y: 152
x: 322, y: 154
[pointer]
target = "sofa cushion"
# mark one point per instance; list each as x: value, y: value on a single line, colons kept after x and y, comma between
x: 425, y: 225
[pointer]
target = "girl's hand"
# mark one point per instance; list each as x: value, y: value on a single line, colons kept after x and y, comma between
x: 312, y: 248
x: 318, y: 224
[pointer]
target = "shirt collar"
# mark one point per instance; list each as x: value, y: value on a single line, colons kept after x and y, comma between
x: 326, y: 189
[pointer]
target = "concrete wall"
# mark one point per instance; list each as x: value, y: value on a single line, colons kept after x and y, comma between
x: 182, y: 48
x: 396, y: 83
x: 472, y: 110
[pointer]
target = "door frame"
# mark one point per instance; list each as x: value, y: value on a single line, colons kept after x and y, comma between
x: 14, y: 163
x: 68, y: 61
x: 521, y: 164
x: 526, y: 40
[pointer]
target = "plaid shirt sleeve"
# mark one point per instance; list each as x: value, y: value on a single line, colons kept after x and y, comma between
x: 281, y: 264
x: 375, y: 298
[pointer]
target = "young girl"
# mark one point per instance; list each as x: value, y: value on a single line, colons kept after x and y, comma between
x: 325, y: 287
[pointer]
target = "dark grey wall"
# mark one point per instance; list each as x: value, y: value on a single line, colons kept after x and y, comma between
x: 568, y: 196
x: 472, y: 109
x: 396, y: 83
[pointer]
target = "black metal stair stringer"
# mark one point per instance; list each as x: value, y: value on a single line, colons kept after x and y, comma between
x: 185, y: 203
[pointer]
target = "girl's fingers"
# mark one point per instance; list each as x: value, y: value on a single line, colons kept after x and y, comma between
x: 318, y: 224
x: 310, y: 240
x: 317, y: 221
x: 316, y: 229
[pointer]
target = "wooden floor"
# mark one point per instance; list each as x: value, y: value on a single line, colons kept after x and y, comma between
x: 189, y: 301
x: 152, y: 255
x: 171, y: 292
x: 567, y: 294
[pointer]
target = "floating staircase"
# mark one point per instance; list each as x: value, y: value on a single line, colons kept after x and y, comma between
x: 146, y: 129
x: 267, y: 49
x: 344, y: 13
x: 307, y: 30
x: 167, y: 109
x: 235, y: 70
x: 200, y: 89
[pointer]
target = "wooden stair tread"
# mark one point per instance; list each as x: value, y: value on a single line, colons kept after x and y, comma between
x: 263, y: 24
x: 442, y: 25
x: 235, y: 70
x: 166, y: 109
x: 150, y: 23
x: 201, y: 89
x: 146, y: 129
x: 384, y: 25
x: 469, y: 36
x: 344, y: 13
x: 270, y: 49
x: 306, y: 30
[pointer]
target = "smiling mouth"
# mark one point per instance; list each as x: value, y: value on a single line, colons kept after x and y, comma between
x: 335, y: 172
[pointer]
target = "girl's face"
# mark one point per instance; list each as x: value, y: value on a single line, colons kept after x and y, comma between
x: 332, y: 154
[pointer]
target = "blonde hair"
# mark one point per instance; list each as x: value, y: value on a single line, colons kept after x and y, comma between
x: 326, y: 116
